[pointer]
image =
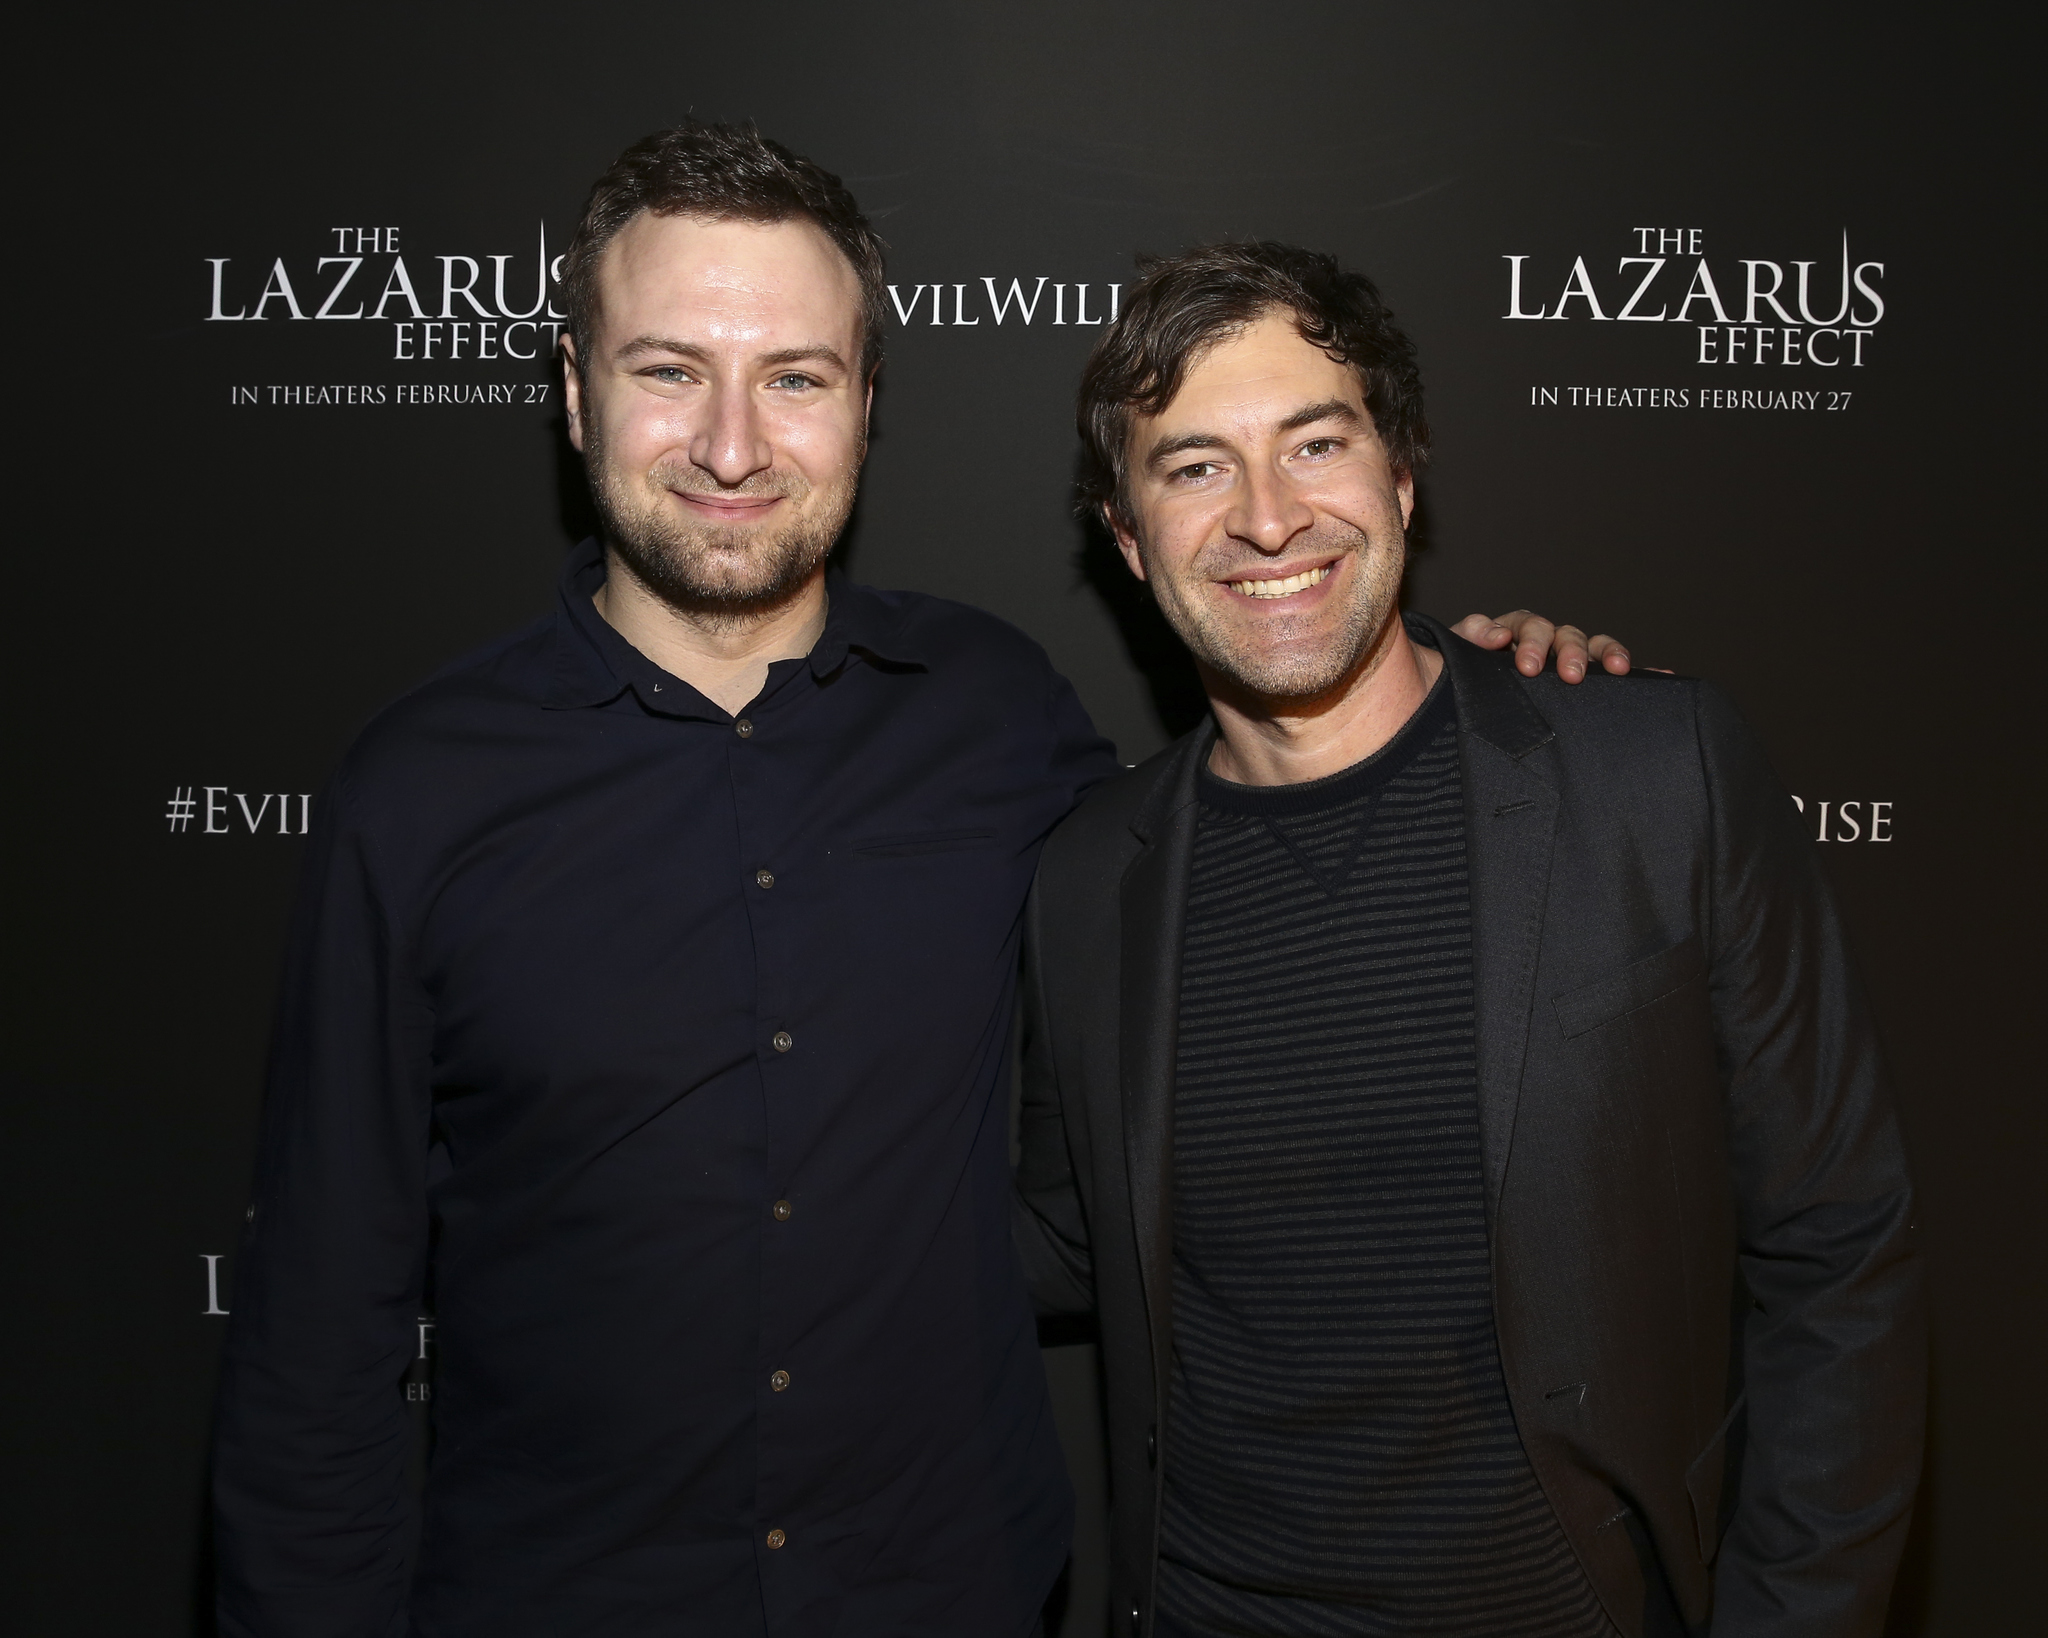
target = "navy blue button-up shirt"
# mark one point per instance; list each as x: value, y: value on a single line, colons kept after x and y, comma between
x: 665, y: 1053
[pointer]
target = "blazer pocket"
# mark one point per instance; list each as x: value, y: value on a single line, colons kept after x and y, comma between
x: 1636, y: 985
x: 1706, y: 1482
x: 916, y: 842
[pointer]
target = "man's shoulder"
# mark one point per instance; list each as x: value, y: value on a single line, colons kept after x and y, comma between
x: 938, y: 631
x: 1650, y: 703
x: 1667, y: 738
x: 1640, y: 709
x: 504, y: 678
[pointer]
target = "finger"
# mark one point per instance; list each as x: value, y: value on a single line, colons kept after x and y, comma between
x: 1570, y: 645
x: 1484, y: 631
x: 1607, y: 651
x: 1533, y: 635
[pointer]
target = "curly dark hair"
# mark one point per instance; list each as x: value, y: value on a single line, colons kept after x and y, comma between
x: 725, y: 173
x: 1183, y: 305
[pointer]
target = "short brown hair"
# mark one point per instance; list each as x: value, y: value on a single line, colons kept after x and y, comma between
x: 723, y: 173
x: 1183, y: 305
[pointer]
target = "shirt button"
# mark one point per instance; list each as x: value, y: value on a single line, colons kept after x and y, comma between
x: 765, y: 877
x: 782, y: 1210
x: 783, y: 1040
x: 779, y: 1381
x: 776, y: 1538
x: 744, y: 728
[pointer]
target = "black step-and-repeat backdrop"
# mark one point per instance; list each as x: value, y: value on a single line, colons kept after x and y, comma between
x: 1721, y: 314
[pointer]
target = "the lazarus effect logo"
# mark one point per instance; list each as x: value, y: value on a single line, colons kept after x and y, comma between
x: 1818, y: 312
x: 434, y: 307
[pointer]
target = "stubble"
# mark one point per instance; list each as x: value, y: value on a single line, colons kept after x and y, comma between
x: 721, y: 575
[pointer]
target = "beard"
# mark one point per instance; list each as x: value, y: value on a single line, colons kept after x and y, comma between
x: 1293, y: 657
x: 721, y: 574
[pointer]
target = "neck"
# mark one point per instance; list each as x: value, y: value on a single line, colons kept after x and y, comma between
x: 1263, y: 740
x: 726, y: 659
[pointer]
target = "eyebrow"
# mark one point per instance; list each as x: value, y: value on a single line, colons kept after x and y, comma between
x: 1330, y: 409
x: 815, y: 353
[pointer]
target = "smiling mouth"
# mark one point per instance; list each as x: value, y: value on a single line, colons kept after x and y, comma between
x: 728, y: 503
x: 1281, y: 588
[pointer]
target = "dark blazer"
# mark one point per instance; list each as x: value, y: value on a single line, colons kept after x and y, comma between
x: 1709, y: 1310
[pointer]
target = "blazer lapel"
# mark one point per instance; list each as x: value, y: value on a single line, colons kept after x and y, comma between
x: 1511, y: 812
x: 1510, y: 824
x: 1153, y: 903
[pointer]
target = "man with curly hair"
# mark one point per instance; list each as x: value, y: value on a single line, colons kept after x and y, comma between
x: 1447, y: 1087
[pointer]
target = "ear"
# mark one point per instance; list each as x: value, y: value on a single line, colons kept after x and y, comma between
x: 1126, y: 542
x: 572, y: 392
x: 1404, y: 486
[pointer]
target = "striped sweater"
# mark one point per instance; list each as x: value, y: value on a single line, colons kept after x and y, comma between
x: 1340, y: 1454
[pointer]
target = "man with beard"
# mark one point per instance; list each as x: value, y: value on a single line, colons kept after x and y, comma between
x: 1447, y: 1087
x: 648, y: 1006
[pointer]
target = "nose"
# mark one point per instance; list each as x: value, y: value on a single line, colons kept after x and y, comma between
x: 1268, y: 513
x: 731, y: 443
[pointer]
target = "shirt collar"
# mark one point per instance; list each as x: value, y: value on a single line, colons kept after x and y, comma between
x: 593, y: 664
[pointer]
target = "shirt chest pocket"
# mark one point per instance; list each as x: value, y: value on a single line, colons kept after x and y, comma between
x: 933, y: 903
x: 1629, y: 989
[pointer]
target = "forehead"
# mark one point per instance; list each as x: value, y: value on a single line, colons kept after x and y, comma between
x: 730, y: 281
x: 1264, y: 371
